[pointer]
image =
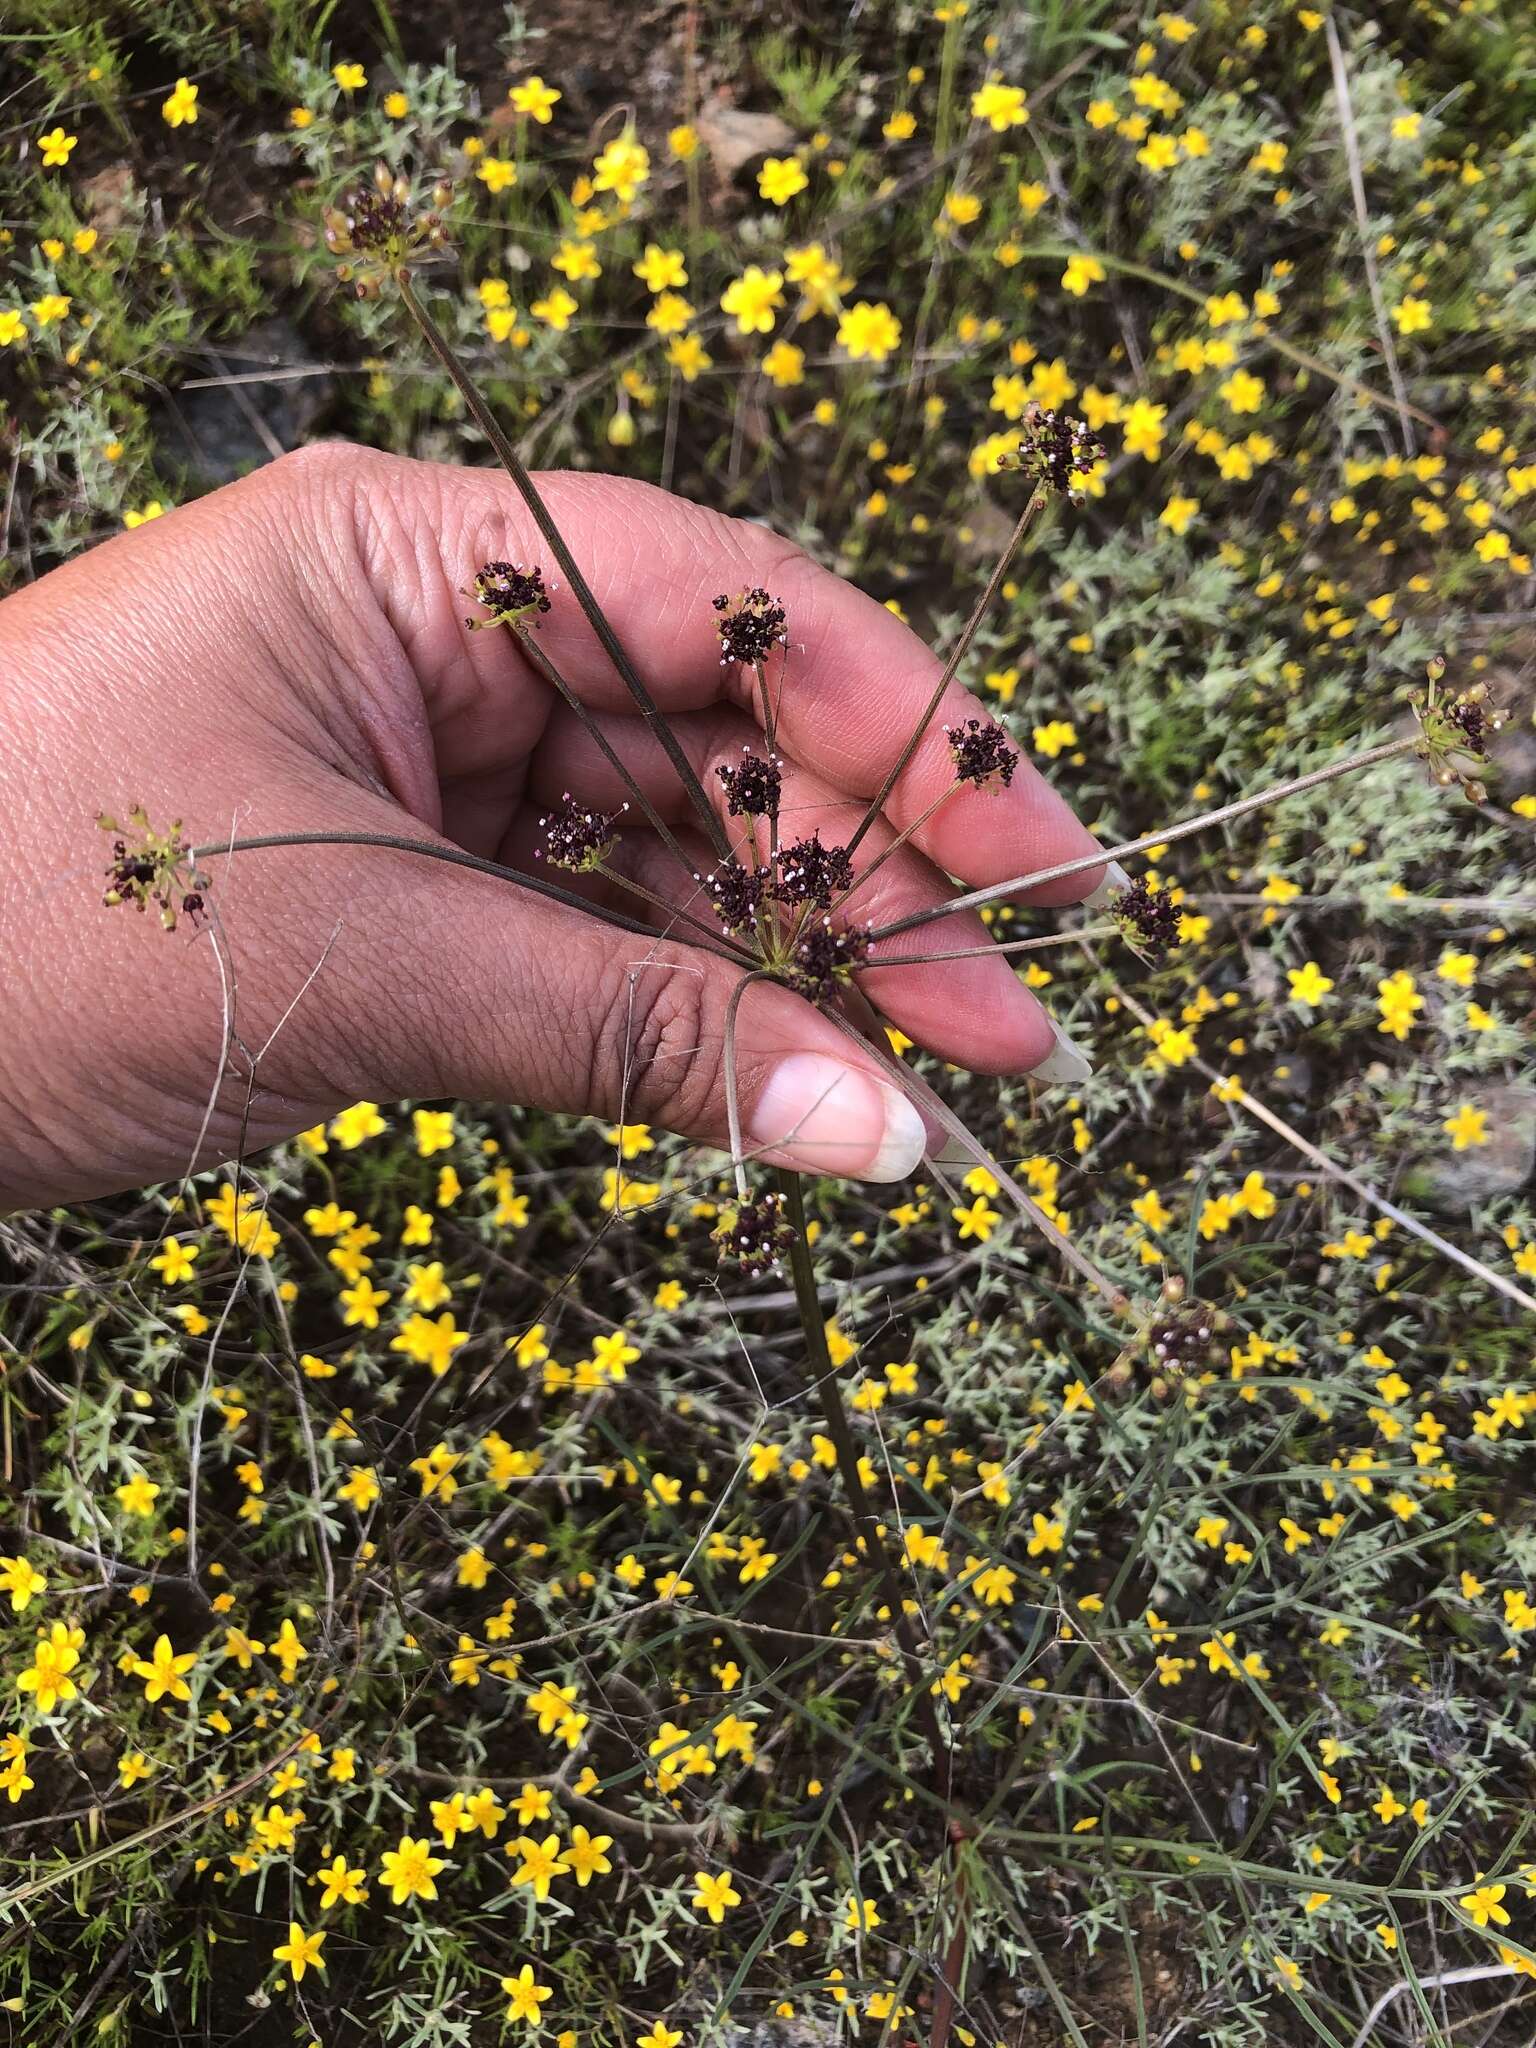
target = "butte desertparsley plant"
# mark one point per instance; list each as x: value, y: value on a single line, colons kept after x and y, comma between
x: 789, y: 913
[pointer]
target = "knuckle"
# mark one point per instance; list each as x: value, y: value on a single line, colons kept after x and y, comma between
x: 319, y: 468
x: 655, y: 1057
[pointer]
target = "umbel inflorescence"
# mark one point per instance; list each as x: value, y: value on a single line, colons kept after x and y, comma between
x: 380, y: 231
x: 779, y: 909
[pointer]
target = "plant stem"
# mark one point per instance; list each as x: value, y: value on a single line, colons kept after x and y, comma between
x: 1352, y: 1181
x: 513, y: 464
x: 960, y: 650
x: 1038, y: 944
x: 454, y: 856
x: 639, y: 889
x: 900, y: 840
x: 732, y: 1090
x: 999, y: 890
x: 840, y: 1430
x: 557, y: 682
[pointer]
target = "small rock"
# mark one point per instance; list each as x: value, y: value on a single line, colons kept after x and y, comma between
x: 105, y: 197
x: 1459, y: 1182
x: 733, y: 136
x: 222, y: 431
x: 984, y: 532
x: 797, y: 2033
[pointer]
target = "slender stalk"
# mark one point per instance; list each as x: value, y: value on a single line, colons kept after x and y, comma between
x: 1362, y: 217
x: 513, y: 464
x: 454, y: 856
x: 1038, y: 944
x: 840, y: 1430
x: 557, y: 682
x: 1000, y: 890
x: 639, y: 889
x: 900, y: 840
x: 1352, y: 1181
x: 957, y: 655
x: 732, y: 1091
x: 770, y: 736
x: 917, y: 1089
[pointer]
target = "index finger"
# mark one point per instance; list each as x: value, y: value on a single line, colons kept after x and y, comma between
x: 855, y: 678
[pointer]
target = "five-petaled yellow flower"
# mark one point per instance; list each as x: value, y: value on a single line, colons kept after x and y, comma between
x: 300, y: 1951
x: 179, y: 111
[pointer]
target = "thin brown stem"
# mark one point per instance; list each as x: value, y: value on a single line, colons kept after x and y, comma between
x: 927, y: 1099
x: 957, y: 655
x: 1352, y: 1181
x: 673, y: 910
x: 732, y: 1090
x: 840, y: 1430
x: 999, y: 891
x: 558, y: 683
x: 513, y: 464
x: 899, y: 841
x: 1038, y: 944
x: 454, y: 856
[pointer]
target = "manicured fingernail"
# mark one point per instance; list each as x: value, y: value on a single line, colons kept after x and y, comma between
x: 1065, y: 1066
x: 818, y: 1115
x: 1115, y: 879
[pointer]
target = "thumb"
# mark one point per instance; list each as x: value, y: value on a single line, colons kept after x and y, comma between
x: 502, y: 995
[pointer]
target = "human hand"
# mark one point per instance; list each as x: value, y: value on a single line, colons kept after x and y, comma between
x: 289, y: 655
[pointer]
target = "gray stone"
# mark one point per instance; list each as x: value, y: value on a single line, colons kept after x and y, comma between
x: 217, y: 432
x: 733, y: 136
x: 796, y: 2033
x: 1459, y: 1182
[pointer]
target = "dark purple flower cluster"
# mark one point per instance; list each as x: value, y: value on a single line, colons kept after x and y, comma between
x: 812, y: 873
x: 753, y: 789
x: 1185, y: 1342
x: 1148, y: 917
x: 375, y: 216
x: 755, y: 1234
x: 824, y: 956
x: 508, y: 592
x: 750, y: 629
x: 1057, y: 450
x: 578, y: 838
x: 805, y: 872
x: 380, y: 231
x: 1474, y: 719
x: 736, y: 891
x: 155, y: 867
x: 981, y: 751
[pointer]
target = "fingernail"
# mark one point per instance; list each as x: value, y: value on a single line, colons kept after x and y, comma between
x: 1115, y: 879
x: 1065, y: 1066
x: 823, y: 1117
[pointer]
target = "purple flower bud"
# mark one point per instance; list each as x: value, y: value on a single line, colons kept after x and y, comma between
x: 750, y: 631
x: 981, y: 751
